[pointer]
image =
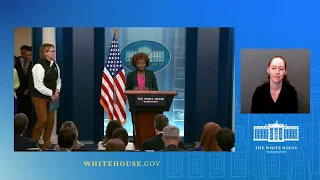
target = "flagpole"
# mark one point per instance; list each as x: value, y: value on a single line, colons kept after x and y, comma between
x: 115, y: 32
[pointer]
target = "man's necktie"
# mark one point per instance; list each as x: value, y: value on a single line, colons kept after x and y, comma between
x: 25, y: 66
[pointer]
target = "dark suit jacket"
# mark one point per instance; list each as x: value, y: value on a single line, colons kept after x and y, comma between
x: 23, y: 78
x: 156, y: 144
x: 23, y: 143
x: 172, y: 147
x: 150, y: 80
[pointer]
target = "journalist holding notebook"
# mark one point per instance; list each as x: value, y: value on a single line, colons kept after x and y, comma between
x: 45, y: 88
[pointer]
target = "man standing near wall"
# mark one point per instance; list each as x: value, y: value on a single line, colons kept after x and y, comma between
x: 23, y: 67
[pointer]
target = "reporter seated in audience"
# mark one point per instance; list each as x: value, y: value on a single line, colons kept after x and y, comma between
x: 112, y: 125
x: 70, y: 126
x: 226, y: 140
x: 171, y: 138
x: 122, y: 134
x: 156, y: 143
x: 22, y: 143
x: 208, y: 140
x: 66, y: 140
x: 115, y: 145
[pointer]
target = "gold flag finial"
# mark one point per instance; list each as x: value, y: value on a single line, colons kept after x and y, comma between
x: 115, y: 32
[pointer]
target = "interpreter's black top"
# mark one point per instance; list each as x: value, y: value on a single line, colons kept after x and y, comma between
x: 262, y: 101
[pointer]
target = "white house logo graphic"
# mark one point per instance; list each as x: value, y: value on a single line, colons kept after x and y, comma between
x: 276, y: 133
x: 158, y: 54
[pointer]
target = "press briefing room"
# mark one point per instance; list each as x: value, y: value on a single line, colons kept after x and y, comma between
x: 124, y: 89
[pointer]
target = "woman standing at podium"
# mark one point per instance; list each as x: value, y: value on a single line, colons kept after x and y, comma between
x: 141, y: 79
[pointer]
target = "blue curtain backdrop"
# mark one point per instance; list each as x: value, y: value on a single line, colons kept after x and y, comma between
x: 209, y: 79
x: 170, y: 78
x: 80, y: 54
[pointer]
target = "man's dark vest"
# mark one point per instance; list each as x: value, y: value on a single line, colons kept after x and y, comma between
x: 50, y: 79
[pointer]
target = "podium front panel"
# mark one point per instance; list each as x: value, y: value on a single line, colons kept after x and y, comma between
x: 152, y: 103
x: 150, y: 100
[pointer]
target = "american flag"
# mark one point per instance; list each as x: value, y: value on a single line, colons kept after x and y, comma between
x: 112, y: 96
